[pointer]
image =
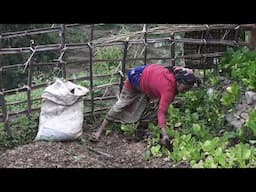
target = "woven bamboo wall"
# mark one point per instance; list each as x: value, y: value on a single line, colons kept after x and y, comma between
x: 208, y: 63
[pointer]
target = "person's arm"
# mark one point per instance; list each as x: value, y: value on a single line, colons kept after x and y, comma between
x: 164, y: 103
x: 161, y: 115
x: 165, y: 100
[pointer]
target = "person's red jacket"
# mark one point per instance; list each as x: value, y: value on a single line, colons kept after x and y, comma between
x: 158, y: 82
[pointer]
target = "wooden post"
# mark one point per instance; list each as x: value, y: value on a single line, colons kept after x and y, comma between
x: 29, y: 82
x: 145, y: 30
x: 3, y: 103
x: 62, y: 50
x: 252, y: 38
x: 90, y: 45
x: 205, y: 35
x: 29, y: 101
x: 172, y: 49
x: 203, y: 60
x: 237, y: 32
x: 123, y: 65
x: 200, y: 46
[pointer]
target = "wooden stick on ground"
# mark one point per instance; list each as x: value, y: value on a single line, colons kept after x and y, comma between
x: 99, y: 152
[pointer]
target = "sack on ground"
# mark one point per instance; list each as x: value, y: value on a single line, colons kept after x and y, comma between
x: 61, y: 116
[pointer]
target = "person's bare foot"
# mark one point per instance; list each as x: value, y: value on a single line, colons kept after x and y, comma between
x: 95, y: 137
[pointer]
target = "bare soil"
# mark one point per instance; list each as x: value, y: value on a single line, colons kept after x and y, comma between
x: 115, y: 150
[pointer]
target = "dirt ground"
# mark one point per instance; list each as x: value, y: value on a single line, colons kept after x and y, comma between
x: 115, y: 150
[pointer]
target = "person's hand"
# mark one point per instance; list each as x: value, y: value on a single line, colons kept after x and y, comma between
x: 165, y: 141
x: 163, y: 136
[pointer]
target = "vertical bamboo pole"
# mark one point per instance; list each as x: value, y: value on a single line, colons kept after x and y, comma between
x: 172, y: 49
x: 145, y: 30
x: 123, y: 64
x: 237, y: 32
x: 63, y: 42
x: 29, y: 101
x: 29, y: 82
x: 204, y: 58
x: 3, y: 105
x: 90, y: 45
x: 252, y: 38
x: 3, y: 102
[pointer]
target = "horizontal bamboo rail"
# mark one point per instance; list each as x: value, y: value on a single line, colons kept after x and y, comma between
x: 216, y: 54
x: 8, y: 35
x: 143, y: 37
x: 12, y: 115
x: 24, y: 88
x: 157, y: 30
x: 51, y: 47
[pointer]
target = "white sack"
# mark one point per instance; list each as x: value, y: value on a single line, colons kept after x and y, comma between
x: 61, y: 116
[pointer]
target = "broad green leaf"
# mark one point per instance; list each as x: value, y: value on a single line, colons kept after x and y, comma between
x: 155, y: 150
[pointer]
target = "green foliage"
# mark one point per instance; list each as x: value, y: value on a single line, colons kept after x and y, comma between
x: 231, y: 96
x: 200, y: 107
x: 85, y: 83
x: 155, y: 150
x: 185, y: 147
x: 23, y: 97
x: 107, y: 53
x: 240, y: 155
x: 17, y: 78
x: 211, y: 145
x: 129, y: 128
x: 76, y: 35
x: 210, y: 153
x: 240, y: 66
x: 201, y: 135
x: 199, y: 131
x: 213, y: 81
x: 251, y: 123
x: 24, y: 131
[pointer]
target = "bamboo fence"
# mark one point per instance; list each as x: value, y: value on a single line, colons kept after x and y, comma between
x: 166, y: 33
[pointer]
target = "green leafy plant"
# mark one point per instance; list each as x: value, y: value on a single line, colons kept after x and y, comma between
x: 107, y: 53
x: 231, y: 96
x: 240, y: 66
x: 251, y: 123
x: 24, y: 131
x: 129, y: 128
x: 240, y: 155
x: 201, y: 135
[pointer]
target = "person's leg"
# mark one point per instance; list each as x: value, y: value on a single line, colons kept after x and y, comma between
x: 102, y: 128
x: 127, y: 97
